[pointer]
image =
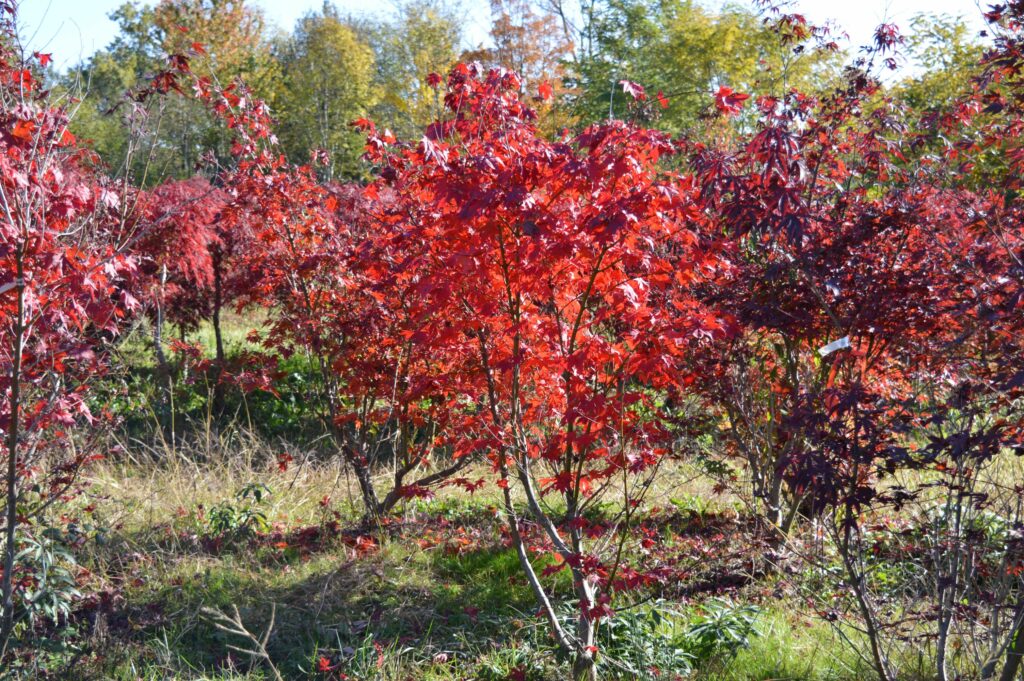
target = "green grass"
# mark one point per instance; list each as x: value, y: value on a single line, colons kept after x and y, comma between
x: 791, y: 648
x: 235, y: 330
x: 441, y: 610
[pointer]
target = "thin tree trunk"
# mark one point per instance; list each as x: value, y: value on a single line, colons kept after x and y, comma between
x: 561, y: 638
x: 218, y: 292
x: 11, y: 477
x: 361, y: 467
x: 158, y: 345
x: 1015, y: 652
x: 584, y: 667
x: 857, y: 582
x: 158, y: 331
x: 776, y: 513
x: 946, y: 588
x: 163, y: 367
x: 164, y: 379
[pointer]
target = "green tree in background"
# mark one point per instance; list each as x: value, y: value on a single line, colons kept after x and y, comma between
x: 424, y: 38
x: 331, y: 69
x: 946, y: 53
x: 179, y: 132
x: 944, y: 47
x: 328, y: 82
x: 684, y: 50
x: 108, y: 74
x: 232, y: 34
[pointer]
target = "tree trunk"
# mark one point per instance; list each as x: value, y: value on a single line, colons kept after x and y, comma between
x: 361, y: 467
x: 561, y: 638
x: 371, y: 506
x: 1016, y: 650
x: 218, y: 293
x: 163, y: 367
x: 11, y: 477
x: 158, y: 334
x: 776, y: 513
x: 584, y: 668
x: 847, y: 551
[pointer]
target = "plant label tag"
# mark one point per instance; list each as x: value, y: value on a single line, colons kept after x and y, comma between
x: 10, y: 285
x: 843, y: 342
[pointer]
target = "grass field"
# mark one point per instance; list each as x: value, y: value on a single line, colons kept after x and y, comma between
x: 434, y: 595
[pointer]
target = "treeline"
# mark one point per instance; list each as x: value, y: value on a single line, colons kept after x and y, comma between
x: 334, y: 68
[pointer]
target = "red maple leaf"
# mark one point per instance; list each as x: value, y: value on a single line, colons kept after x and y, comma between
x: 729, y: 101
x: 23, y: 130
x: 634, y: 90
x: 283, y: 460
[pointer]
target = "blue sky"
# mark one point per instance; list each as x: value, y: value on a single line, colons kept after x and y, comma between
x: 74, y: 29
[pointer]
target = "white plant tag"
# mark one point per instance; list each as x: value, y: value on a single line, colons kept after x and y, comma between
x: 7, y: 287
x: 843, y: 342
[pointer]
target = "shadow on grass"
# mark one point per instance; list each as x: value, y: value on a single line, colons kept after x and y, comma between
x: 443, y: 588
x: 461, y: 604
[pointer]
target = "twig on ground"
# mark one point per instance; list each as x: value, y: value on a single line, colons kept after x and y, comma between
x: 234, y: 625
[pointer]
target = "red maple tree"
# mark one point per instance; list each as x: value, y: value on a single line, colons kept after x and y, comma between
x: 561, y: 272
x: 63, y: 296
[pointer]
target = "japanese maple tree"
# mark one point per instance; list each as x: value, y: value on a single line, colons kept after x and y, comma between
x: 832, y: 267
x: 64, y: 291
x: 562, y: 271
x: 326, y: 273
x: 182, y: 249
x: 307, y: 258
x: 873, y: 299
